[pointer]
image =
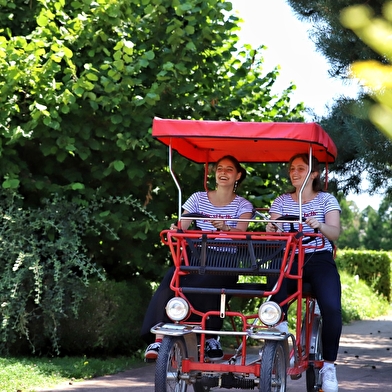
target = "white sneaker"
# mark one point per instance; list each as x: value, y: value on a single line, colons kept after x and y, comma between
x: 330, y: 382
x: 283, y: 327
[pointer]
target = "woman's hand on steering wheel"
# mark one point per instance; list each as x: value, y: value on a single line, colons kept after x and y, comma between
x: 313, y: 223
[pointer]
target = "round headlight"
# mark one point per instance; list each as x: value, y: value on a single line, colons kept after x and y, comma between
x: 270, y: 313
x: 177, y: 309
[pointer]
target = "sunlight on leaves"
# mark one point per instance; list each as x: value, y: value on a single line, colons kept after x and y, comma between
x: 375, y: 76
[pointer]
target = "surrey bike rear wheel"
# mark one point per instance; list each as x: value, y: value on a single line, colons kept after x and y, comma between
x: 315, y: 353
x: 273, y: 367
x: 169, y: 365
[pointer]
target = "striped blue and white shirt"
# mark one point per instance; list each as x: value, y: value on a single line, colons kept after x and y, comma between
x: 318, y: 207
x: 200, y: 203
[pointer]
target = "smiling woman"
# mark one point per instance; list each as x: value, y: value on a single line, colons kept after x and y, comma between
x: 321, y: 212
x: 219, y: 207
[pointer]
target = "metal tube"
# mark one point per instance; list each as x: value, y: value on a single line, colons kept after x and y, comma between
x: 176, y: 182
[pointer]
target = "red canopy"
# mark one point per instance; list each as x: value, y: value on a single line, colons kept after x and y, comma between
x: 207, y: 141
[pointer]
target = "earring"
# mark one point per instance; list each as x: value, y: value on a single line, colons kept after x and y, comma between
x: 235, y: 187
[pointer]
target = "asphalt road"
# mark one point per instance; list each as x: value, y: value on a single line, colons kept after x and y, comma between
x: 364, y: 364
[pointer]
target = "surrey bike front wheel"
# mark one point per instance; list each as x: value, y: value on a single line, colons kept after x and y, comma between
x: 168, y: 368
x: 273, y: 367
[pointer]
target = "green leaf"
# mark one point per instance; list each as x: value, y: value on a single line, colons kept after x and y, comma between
x: 116, y: 118
x: 118, y: 165
x: 149, y: 55
x: 190, y: 29
x: 77, y: 185
x: 91, y: 76
x: 42, y: 20
x: 11, y: 183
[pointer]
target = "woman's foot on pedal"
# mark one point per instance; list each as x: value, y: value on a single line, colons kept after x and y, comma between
x: 213, y: 350
x: 152, y: 351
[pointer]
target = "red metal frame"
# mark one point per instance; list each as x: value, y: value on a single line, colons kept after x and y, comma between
x: 177, y: 245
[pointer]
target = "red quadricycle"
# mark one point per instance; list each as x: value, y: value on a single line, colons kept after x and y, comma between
x: 265, y: 355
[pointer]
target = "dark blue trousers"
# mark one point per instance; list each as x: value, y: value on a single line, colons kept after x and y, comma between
x: 321, y: 272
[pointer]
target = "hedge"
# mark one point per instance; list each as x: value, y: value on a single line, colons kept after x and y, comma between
x: 373, y: 267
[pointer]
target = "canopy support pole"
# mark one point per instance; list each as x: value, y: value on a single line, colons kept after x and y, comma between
x: 176, y: 182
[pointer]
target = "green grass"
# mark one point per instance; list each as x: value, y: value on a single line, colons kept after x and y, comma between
x: 359, y: 302
x: 28, y: 374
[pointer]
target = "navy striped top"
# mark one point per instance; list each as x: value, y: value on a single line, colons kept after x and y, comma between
x: 200, y: 203
x: 318, y: 207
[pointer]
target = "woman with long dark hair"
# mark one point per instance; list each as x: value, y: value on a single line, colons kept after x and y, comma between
x: 321, y: 211
x: 221, y: 203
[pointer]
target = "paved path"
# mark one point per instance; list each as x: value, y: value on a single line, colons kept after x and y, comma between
x: 364, y: 364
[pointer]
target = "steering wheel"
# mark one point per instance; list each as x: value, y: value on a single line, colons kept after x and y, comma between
x: 292, y: 230
x: 291, y: 218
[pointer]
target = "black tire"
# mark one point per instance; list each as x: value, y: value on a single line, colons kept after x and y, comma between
x: 315, y: 354
x: 168, y: 367
x: 198, y: 387
x: 273, y: 367
x: 312, y: 376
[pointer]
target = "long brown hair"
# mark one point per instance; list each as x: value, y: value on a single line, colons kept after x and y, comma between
x: 316, y: 184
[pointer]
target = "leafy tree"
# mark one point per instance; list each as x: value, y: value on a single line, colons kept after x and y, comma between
x: 362, y: 148
x: 375, y: 75
x: 80, y: 83
x: 385, y: 224
x: 378, y: 227
x: 368, y: 229
x: 351, y: 226
x: 372, y: 238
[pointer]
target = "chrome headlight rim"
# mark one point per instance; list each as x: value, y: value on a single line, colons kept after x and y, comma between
x: 177, y: 309
x: 270, y: 313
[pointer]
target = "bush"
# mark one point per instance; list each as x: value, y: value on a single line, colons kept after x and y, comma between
x: 45, y: 268
x: 108, y: 322
x: 359, y: 301
x: 371, y: 266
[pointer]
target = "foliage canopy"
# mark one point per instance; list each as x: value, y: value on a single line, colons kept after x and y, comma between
x: 80, y: 83
x: 362, y: 147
